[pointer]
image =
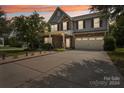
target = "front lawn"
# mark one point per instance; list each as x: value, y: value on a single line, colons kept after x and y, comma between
x: 11, y: 51
x: 117, y: 57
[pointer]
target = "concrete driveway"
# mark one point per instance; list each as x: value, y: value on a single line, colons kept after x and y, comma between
x: 64, y: 69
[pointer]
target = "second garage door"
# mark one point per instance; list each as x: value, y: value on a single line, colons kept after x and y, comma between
x: 89, y: 43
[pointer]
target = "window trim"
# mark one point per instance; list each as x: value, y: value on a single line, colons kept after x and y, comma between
x: 98, y: 23
x: 64, y: 25
x: 80, y: 24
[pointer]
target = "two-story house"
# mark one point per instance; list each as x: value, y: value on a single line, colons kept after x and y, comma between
x: 79, y: 32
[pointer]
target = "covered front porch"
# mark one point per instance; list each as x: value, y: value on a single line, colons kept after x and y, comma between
x: 59, y: 39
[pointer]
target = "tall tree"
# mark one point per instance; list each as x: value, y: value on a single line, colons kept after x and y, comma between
x: 111, y: 11
x: 116, y: 14
x: 118, y: 31
x: 29, y: 28
x: 2, y: 22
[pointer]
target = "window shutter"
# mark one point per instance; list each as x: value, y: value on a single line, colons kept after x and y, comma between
x: 83, y: 23
x: 61, y: 26
x: 92, y: 23
x: 101, y: 22
x: 67, y: 25
x: 76, y: 24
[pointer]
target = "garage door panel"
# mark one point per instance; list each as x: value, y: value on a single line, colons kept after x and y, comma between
x: 89, y: 44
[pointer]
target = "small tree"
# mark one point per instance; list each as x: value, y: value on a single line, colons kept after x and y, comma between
x: 109, y: 43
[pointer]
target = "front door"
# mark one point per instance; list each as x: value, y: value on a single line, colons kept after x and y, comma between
x: 67, y: 42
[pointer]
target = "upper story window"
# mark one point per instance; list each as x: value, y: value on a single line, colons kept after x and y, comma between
x: 64, y: 25
x: 58, y: 13
x: 54, y: 27
x: 96, y: 22
x: 80, y: 24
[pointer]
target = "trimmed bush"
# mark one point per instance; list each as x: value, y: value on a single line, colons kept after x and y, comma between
x: 47, y: 46
x: 109, y: 43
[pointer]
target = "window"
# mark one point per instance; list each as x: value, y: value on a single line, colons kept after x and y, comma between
x: 99, y: 38
x: 48, y: 40
x: 58, y: 13
x: 96, y: 22
x: 78, y: 39
x: 64, y: 25
x: 80, y: 24
x: 54, y: 27
x: 91, y: 38
x: 84, y: 38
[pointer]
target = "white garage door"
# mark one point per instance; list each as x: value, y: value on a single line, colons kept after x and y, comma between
x: 89, y: 43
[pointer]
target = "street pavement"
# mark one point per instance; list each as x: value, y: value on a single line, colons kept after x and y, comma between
x: 71, y: 68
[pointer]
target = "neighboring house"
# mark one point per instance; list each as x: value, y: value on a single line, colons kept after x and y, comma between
x: 80, y: 32
x: 1, y: 42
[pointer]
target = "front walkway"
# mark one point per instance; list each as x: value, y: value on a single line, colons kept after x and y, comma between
x: 65, y: 69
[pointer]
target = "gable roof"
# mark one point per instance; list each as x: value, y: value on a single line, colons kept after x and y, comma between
x: 77, y: 15
x: 58, y: 9
x: 86, y: 16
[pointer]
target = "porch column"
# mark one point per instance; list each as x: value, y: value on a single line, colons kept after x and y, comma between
x: 63, y: 40
x: 50, y: 40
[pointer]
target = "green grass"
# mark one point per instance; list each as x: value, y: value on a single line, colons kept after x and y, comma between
x: 11, y: 51
x: 59, y: 49
x: 2, y: 49
x: 14, y: 51
x: 117, y: 57
x: 120, y: 49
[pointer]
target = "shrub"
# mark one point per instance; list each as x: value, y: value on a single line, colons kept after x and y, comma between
x: 119, y: 36
x: 47, y: 46
x: 13, y: 42
x: 6, y: 41
x: 109, y: 43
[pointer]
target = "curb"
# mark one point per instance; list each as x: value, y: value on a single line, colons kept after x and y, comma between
x: 12, y: 61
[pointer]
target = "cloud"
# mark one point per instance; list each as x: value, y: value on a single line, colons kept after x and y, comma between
x: 41, y: 8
